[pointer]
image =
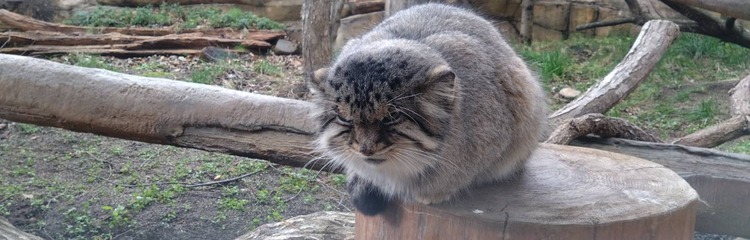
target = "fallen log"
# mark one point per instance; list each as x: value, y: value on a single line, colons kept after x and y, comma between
x: 156, y: 110
x: 652, y: 42
x: 187, y: 40
x: 563, y: 193
x: 721, y: 179
x: 596, y: 123
x: 24, y: 23
x: 733, y: 8
x: 46, y: 43
x: 727, y: 130
x: 10, y: 232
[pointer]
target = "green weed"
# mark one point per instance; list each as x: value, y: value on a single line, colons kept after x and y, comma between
x: 91, y: 61
x: 171, y: 15
x: 28, y: 128
x: 265, y: 67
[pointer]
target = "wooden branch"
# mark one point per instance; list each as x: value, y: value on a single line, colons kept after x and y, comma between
x: 605, y: 23
x: 362, y: 7
x: 563, y: 193
x: 156, y: 110
x: 717, y: 134
x: 735, y: 8
x: 600, y: 125
x: 728, y: 130
x: 44, y: 43
x: 8, y: 231
x: 24, y: 23
x: 721, y: 179
x: 648, y: 48
x: 710, y: 25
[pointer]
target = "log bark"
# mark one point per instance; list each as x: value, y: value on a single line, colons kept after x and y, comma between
x: 24, y: 23
x: 708, y: 24
x: 564, y: 193
x: 721, y: 179
x: 362, y: 7
x: 648, y: 48
x: 143, y: 3
x: 9, y: 232
x: 730, y: 129
x: 600, y: 125
x: 734, y: 8
x: 717, y: 134
x: 45, y: 43
x: 319, y: 225
x: 156, y: 110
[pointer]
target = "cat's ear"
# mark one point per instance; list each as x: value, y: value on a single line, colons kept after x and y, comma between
x: 441, y: 77
x: 317, y: 80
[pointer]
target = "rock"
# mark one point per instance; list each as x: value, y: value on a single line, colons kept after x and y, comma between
x: 319, y: 225
x: 3, y: 126
x: 569, y: 93
x: 355, y: 26
x: 213, y: 54
x: 551, y: 15
x: 285, y: 47
x: 545, y: 34
x: 582, y: 14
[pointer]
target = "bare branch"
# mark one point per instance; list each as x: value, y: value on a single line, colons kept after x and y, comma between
x: 600, y: 125
x: 655, y: 37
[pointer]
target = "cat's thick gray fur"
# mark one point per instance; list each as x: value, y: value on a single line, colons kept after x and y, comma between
x: 482, y: 133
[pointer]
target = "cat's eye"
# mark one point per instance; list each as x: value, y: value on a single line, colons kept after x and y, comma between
x: 343, y: 121
x: 392, y: 118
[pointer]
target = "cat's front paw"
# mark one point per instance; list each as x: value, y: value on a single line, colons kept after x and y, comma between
x: 367, y: 198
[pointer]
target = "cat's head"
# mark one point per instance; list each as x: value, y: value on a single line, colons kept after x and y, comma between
x: 388, y: 101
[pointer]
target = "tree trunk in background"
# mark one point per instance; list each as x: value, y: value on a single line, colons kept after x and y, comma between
x: 319, y: 26
x: 527, y: 20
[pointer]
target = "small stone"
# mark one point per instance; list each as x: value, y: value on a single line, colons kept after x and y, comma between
x: 285, y: 47
x: 181, y: 58
x: 569, y: 93
x: 3, y: 126
x: 213, y: 54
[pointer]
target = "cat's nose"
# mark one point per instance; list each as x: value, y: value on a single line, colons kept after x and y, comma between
x: 366, y: 150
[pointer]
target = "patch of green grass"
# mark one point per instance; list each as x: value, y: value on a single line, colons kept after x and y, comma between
x: 171, y: 15
x: 265, y: 67
x: 338, y: 179
x: 671, y: 101
x: 91, y: 61
x: 28, y: 128
x: 208, y: 73
x: 738, y: 146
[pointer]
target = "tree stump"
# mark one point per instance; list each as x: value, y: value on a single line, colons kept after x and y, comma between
x: 564, y: 193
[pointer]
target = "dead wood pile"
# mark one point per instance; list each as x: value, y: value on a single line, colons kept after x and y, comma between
x: 29, y: 36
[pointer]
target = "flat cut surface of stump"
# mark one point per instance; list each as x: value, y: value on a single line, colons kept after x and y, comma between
x: 564, y: 193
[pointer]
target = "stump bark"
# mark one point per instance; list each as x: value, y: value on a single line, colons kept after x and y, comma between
x: 564, y: 193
